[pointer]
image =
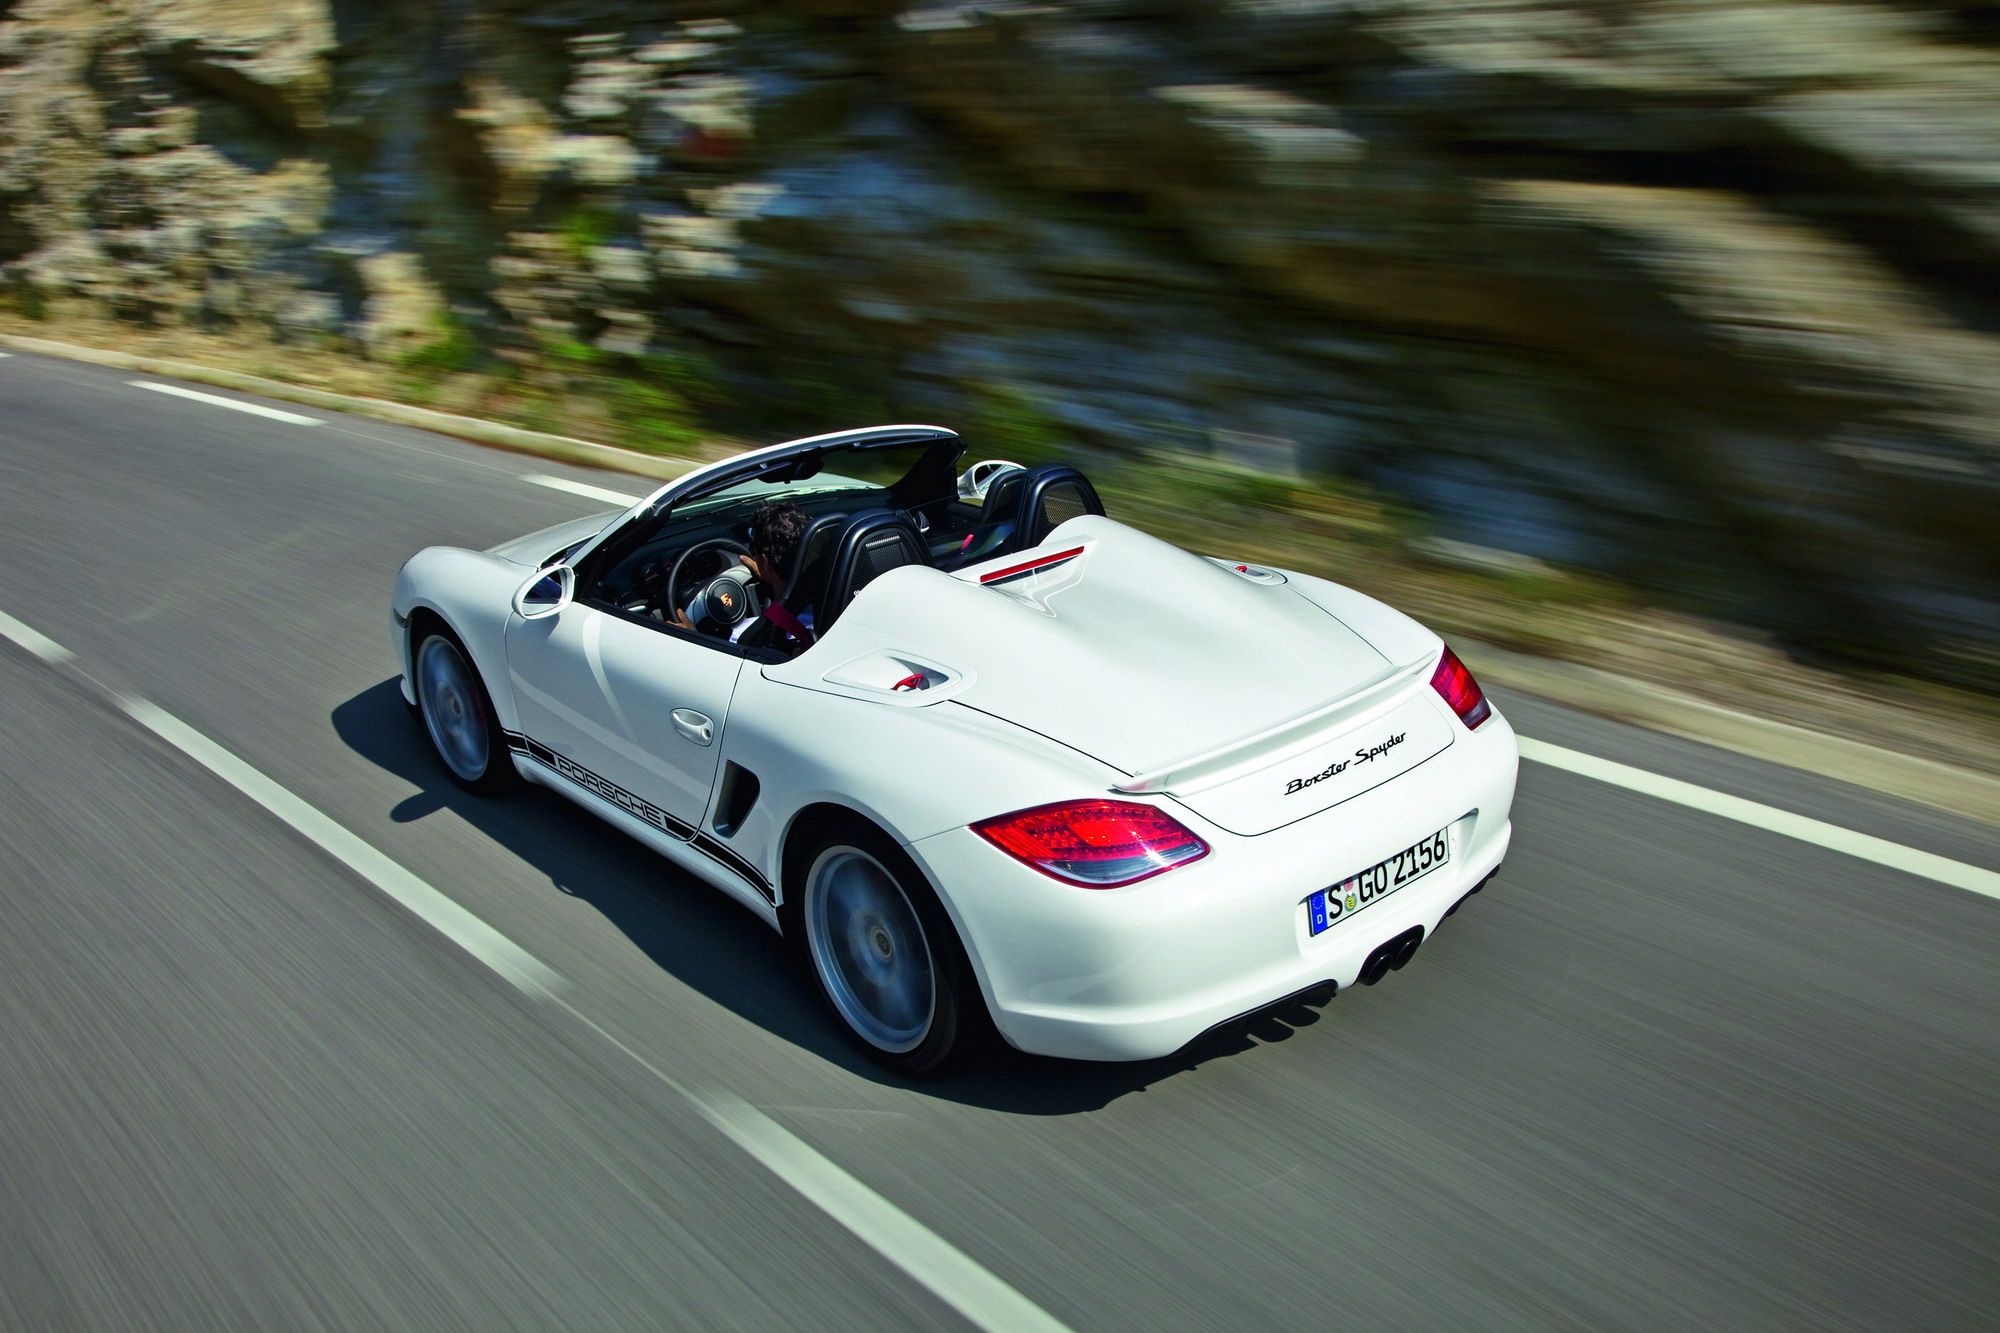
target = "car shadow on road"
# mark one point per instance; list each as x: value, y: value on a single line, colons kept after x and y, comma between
x: 708, y: 942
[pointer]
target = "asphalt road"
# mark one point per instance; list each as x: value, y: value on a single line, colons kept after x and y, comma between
x: 1671, y: 1070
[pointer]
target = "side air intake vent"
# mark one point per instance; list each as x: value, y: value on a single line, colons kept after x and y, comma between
x: 733, y: 803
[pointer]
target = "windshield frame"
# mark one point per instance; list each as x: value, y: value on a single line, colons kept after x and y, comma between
x: 646, y: 521
x: 719, y: 476
x: 789, y: 457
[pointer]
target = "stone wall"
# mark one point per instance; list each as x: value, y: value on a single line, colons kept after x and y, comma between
x: 1699, y: 294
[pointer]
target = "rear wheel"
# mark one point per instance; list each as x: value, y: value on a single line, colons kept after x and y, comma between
x: 458, y: 716
x: 885, y: 956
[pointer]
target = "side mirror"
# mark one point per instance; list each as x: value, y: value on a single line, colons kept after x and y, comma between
x: 546, y: 592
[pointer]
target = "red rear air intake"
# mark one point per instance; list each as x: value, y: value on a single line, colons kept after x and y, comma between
x: 1100, y: 844
x: 1456, y: 687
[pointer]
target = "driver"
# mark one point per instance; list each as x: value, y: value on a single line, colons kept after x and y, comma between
x: 775, y: 530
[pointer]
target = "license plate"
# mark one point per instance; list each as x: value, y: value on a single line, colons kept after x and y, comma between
x: 1330, y: 906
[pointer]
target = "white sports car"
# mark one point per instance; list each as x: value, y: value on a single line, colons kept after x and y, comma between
x: 1011, y: 766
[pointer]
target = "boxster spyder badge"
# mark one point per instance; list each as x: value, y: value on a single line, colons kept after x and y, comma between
x: 1333, y: 769
x: 1364, y: 755
x: 1381, y: 748
x: 967, y: 748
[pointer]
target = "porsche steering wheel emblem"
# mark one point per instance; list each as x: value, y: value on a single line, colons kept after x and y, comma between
x: 728, y: 603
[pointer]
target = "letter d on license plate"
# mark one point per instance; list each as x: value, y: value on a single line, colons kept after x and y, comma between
x: 1328, y: 907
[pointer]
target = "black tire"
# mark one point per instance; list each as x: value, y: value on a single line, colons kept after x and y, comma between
x: 954, y: 1023
x: 457, y: 715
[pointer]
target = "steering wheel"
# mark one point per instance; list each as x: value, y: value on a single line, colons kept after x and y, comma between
x: 728, y: 601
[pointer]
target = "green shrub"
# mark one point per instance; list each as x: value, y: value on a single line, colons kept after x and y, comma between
x: 654, y: 417
x: 692, y: 375
x: 586, y: 227
x: 572, y: 353
x: 453, y: 352
x: 1005, y: 421
x: 28, y: 301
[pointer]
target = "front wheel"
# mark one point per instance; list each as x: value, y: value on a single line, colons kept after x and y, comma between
x: 458, y: 716
x: 884, y: 954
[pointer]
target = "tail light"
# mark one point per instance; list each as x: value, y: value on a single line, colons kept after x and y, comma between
x: 1099, y: 844
x: 1456, y: 687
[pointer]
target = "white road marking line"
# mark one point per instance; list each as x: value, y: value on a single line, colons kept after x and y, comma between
x: 584, y: 489
x: 514, y: 964
x: 935, y: 1263
x: 36, y: 642
x: 984, y: 1299
x: 5, y: 355
x: 234, y: 404
x: 1863, y: 846
x: 946, y: 1271
x: 441, y: 913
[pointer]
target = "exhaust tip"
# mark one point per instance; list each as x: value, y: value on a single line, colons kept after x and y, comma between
x: 1388, y: 957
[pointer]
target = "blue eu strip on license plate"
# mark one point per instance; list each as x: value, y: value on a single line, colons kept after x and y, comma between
x: 1328, y: 907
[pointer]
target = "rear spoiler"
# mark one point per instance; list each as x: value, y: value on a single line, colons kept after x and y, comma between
x: 1236, y: 758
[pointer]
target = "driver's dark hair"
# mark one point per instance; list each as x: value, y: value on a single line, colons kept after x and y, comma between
x: 775, y: 530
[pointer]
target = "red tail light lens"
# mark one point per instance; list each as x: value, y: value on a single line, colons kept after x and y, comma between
x: 1099, y: 844
x: 1456, y: 687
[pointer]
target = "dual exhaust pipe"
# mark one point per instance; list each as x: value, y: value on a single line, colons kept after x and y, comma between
x: 1398, y: 952
x: 1392, y: 956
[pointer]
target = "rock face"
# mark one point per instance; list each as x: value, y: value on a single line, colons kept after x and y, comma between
x: 1700, y: 293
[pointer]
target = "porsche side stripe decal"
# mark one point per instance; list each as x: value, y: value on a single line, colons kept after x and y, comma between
x: 606, y: 790
x: 716, y: 851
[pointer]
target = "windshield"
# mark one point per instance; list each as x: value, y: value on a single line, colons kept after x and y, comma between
x: 633, y: 565
x: 758, y: 492
x: 911, y: 477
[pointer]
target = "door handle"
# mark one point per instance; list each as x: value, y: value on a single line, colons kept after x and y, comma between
x: 694, y: 726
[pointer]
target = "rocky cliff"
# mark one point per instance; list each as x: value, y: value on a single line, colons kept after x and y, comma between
x: 1698, y: 294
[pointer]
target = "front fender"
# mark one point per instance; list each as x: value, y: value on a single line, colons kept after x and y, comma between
x: 472, y: 592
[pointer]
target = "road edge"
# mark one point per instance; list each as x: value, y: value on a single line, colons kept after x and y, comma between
x: 477, y: 430
x: 1946, y: 787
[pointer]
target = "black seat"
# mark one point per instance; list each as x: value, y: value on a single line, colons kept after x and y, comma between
x: 1056, y: 494
x: 812, y: 565
x: 812, y: 561
x: 874, y: 542
x: 1022, y: 508
x: 998, y: 518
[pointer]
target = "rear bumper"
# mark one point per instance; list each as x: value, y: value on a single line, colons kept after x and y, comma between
x: 1137, y: 973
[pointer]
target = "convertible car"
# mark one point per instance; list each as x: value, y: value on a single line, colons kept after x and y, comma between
x: 1029, y: 770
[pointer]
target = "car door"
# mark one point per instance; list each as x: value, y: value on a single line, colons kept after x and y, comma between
x: 623, y: 707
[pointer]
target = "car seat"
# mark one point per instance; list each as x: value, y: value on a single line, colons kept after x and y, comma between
x: 812, y: 564
x: 873, y: 543
x: 1022, y: 508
